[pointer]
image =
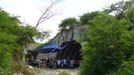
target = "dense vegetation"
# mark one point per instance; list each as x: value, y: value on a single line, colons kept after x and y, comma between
x: 108, y: 47
x: 14, y: 39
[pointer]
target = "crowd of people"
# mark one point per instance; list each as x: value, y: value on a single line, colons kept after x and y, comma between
x: 55, y: 63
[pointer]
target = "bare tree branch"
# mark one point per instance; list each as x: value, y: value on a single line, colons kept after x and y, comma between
x: 48, y: 13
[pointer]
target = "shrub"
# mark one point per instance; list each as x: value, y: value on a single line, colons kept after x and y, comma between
x: 126, y: 68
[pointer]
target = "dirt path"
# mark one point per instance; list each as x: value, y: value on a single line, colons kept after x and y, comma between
x: 57, y: 71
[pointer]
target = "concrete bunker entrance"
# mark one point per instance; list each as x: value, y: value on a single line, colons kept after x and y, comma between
x: 72, y: 51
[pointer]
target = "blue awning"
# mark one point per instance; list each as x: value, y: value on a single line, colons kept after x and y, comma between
x: 50, y: 48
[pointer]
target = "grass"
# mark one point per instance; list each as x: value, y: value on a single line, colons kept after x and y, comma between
x: 63, y: 73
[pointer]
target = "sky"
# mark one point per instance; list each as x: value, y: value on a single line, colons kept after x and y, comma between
x: 30, y: 10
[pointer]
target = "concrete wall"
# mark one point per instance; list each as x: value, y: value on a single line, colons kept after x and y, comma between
x: 66, y: 35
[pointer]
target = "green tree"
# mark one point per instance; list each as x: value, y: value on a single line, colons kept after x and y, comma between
x: 69, y: 24
x: 14, y: 38
x: 130, y: 15
x: 7, y: 42
x: 27, y: 35
x: 104, y: 51
x: 120, y: 8
x: 88, y: 17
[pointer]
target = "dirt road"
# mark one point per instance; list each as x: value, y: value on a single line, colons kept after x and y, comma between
x: 57, y: 71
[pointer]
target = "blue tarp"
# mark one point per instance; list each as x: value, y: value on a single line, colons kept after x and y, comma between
x: 50, y: 48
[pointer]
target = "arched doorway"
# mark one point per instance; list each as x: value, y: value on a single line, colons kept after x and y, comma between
x: 72, y: 51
